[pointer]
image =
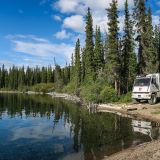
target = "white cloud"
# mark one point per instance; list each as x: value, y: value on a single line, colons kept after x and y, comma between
x: 77, y: 6
x: 66, y: 5
x: 74, y: 22
x: 7, y: 63
x: 63, y: 35
x: 40, y: 48
x: 56, y: 17
x: 155, y: 20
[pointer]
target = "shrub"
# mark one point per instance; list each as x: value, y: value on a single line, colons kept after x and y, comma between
x: 126, y: 98
x: 108, y: 94
x: 70, y: 88
x: 43, y: 87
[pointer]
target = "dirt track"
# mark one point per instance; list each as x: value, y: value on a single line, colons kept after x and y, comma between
x: 143, y: 110
x: 149, y: 151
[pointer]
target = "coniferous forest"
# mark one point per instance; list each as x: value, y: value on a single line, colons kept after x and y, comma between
x: 104, y: 69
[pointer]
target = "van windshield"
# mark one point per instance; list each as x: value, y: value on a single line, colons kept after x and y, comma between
x: 142, y: 82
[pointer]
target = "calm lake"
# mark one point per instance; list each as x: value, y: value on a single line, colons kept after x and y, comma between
x: 42, y: 128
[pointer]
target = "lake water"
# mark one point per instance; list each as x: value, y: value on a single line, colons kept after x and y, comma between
x: 42, y: 128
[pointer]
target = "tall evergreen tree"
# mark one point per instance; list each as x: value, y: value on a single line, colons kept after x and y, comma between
x: 149, y: 49
x: 128, y: 56
x: 89, y: 46
x: 141, y: 29
x: 157, y: 45
x: 77, y: 64
x: 113, y: 59
x: 83, y: 64
x: 98, y: 52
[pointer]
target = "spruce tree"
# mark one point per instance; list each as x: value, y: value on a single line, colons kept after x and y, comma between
x: 157, y: 46
x: 128, y: 56
x: 149, y: 49
x: 141, y: 29
x: 77, y: 64
x: 83, y: 64
x: 98, y: 52
x: 113, y: 59
x: 89, y: 46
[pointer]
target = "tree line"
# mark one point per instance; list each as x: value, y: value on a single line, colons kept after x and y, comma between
x: 115, y: 57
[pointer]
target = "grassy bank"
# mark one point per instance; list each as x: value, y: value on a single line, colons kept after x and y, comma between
x: 96, y: 92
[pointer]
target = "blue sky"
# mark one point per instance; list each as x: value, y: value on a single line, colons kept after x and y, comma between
x: 33, y: 32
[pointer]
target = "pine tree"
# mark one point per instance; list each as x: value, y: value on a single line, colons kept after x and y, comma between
x: 149, y: 45
x: 89, y: 46
x: 141, y: 29
x: 83, y: 65
x: 98, y: 52
x: 77, y: 64
x: 21, y: 78
x: 3, y: 77
x: 113, y: 59
x: 157, y: 46
x: 49, y: 75
x: 128, y: 56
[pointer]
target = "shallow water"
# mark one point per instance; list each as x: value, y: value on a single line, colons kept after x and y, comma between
x: 42, y: 128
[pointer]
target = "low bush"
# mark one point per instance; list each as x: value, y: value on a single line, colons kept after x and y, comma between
x: 108, y: 94
x: 91, y: 93
x: 126, y: 98
x: 43, y: 87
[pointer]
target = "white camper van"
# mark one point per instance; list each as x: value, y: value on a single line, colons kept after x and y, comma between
x: 146, y: 88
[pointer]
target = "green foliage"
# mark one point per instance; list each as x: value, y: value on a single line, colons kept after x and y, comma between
x: 98, y: 92
x: 98, y: 52
x: 69, y: 88
x: 77, y: 71
x: 89, y: 47
x: 128, y: 56
x: 126, y: 98
x: 113, y: 57
x: 42, y: 87
x: 91, y: 92
x: 108, y: 94
x: 157, y: 45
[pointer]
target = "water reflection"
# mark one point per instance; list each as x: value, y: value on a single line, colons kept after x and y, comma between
x: 38, y: 127
x: 150, y: 129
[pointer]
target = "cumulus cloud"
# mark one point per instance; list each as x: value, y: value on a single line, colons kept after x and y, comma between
x: 74, y: 22
x: 73, y: 6
x: 63, y: 35
x: 66, y: 6
x: 78, y: 9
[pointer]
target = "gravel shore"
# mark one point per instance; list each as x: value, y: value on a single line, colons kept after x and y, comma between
x: 148, y: 151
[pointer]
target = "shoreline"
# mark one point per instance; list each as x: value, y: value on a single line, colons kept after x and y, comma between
x: 145, y: 151
x: 140, y: 111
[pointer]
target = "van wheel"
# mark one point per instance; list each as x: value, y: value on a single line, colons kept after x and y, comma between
x: 153, y: 99
x: 135, y: 101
